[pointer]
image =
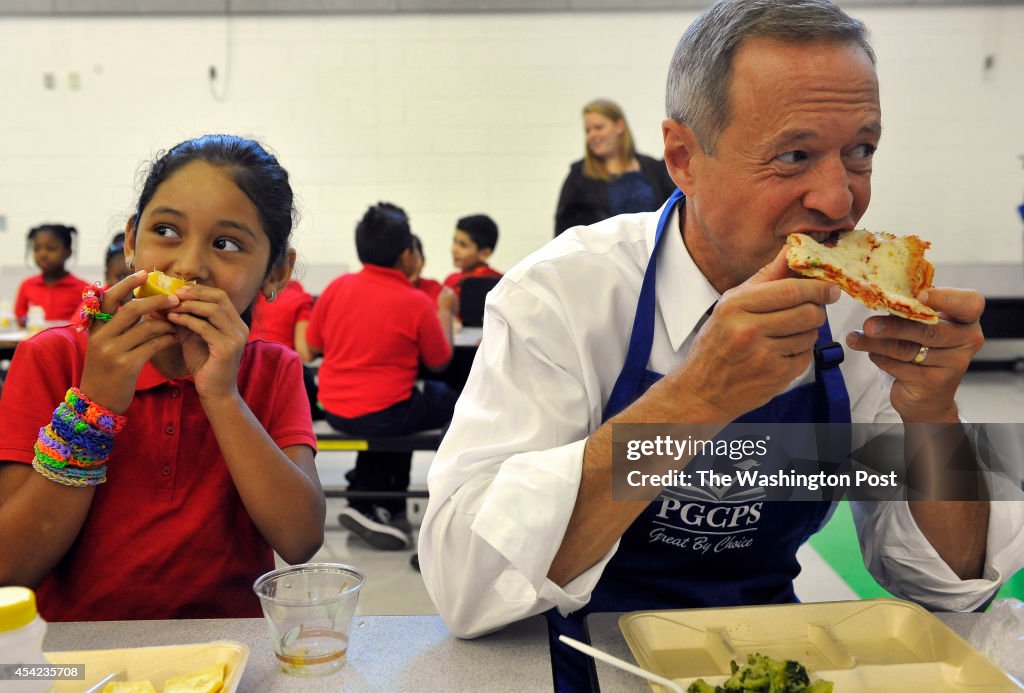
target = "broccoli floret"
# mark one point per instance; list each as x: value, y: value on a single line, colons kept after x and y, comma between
x: 796, y: 674
x: 766, y: 675
x: 701, y: 686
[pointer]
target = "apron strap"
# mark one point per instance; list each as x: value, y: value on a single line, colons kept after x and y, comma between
x: 642, y: 336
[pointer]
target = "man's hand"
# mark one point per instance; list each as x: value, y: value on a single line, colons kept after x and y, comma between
x: 759, y: 338
x: 924, y: 391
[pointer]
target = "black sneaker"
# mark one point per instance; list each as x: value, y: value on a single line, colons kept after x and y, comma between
x: 375, y: 529
x: 400, y: 521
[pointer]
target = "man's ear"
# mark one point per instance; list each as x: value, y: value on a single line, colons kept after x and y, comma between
x: 278, y: 275
x: 683, y: 155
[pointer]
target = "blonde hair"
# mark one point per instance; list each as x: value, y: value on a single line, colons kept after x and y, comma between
x: 593, y: 167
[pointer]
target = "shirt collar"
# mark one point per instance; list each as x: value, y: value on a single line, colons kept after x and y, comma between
x: 386, y: 272
x: 683, y: 293
x: 150, y: 377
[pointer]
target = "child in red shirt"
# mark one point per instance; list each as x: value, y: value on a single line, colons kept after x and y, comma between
x: 428, y: 286
x: 374, y: 329
x: 212, y: 468
x: 283, y: 318
x: 115, y: 267
x: 55, y: 289
x: 473, y: 243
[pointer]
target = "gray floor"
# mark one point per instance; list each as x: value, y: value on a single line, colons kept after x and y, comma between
x: 393, y: 587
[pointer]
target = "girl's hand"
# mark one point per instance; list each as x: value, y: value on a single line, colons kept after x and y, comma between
x: 118, y: 349
x: 213, y: 336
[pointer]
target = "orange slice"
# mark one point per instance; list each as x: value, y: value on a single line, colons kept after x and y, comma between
x: 158, y: 283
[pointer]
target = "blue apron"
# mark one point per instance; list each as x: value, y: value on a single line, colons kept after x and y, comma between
x: 691, y: 549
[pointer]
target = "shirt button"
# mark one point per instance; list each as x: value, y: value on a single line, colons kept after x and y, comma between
x: 175, y: 392
x: 166, y: 471
x: 169, y: 430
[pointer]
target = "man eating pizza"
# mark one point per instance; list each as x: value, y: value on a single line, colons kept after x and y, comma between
x: 691, y: 315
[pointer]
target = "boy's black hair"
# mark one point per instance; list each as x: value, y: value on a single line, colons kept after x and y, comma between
x: 417, y: 245
x: 382, y: 235
x: 481, y: 228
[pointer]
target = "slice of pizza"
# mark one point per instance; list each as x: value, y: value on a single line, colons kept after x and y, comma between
x: 882, y: 271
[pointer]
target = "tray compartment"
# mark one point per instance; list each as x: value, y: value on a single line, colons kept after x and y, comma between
x: 868, y: 645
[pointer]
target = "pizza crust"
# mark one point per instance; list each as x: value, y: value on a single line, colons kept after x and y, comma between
x: 882, y: 271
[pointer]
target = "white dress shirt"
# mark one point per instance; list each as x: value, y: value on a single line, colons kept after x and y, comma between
x: 504, y: 481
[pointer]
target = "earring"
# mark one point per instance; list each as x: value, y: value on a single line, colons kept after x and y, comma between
x: 129, y: 262
x: 273, y: 296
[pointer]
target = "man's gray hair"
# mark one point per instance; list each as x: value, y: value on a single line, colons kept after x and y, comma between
x: 697, y: 93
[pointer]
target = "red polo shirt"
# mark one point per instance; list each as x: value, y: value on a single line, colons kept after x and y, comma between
x: 429, y: 287
x: 275, y: 322
x: 374, y: 328
x: 167, y: 536
x: 60, y: 301
x: 454, y: 279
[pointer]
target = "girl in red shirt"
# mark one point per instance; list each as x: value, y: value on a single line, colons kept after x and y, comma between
x: 209, y: 447
x: 55, y: 289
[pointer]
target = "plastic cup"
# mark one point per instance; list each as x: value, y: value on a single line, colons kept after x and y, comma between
x: 309, y: 609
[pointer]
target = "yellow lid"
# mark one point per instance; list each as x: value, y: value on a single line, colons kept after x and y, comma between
x: 17, y: 607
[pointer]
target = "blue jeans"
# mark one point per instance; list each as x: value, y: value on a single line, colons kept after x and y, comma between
x: 389, y: 471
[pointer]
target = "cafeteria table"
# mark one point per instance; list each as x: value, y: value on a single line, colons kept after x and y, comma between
x: 9, y: 340
x: 391, y: 653
x: 387, y: 653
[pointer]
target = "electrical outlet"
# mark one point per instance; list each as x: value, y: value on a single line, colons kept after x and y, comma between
x: 49, y: 80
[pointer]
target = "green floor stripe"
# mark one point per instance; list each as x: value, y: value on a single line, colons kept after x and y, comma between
x: 1014, y: 587
x: 837, y: 544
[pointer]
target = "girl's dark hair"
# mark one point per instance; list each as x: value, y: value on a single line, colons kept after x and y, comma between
x: 382, y: 235
x: 255, y: 171
x: 417, y: 245
x: 64, y: 234
x: 115, y: 249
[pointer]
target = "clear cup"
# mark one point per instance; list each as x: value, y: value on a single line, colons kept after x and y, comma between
x: 309, y: 609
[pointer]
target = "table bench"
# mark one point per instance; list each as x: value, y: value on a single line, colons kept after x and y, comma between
x: 331, y: 440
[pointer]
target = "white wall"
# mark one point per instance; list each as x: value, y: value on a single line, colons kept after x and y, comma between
x: 455, y: 114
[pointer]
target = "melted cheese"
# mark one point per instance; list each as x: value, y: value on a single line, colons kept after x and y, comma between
x: 880, y: 270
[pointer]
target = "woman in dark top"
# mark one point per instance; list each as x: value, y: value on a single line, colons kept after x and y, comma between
x: 611, y: 178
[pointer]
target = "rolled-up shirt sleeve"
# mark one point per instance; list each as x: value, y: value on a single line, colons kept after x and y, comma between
x: 504, y: 481
x: 903, y: 561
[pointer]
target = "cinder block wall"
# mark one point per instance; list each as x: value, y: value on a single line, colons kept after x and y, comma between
x: 449, y: 114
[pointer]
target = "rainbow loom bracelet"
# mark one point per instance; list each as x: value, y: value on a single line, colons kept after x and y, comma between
x: 90, y: 311
x: 67, y: 427
x: 64, y: 479
x: 92, y: 413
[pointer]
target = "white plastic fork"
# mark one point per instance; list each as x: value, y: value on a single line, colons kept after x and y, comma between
x: 114, y: 676
x: 621, y: 664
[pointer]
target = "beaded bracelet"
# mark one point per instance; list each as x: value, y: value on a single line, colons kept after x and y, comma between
x: 91, y: 299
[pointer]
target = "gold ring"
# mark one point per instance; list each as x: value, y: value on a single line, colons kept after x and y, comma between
x: 922, y: 354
